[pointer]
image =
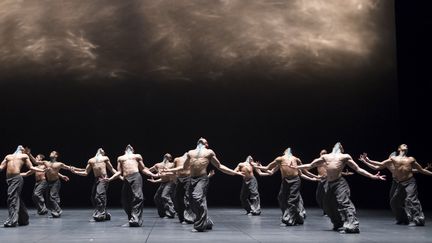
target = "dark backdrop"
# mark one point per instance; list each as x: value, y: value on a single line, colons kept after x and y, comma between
x: 257, y: 103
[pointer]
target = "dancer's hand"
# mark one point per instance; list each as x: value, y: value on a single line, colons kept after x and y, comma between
x: 380, y: 177
x: 363, y: 157
x: 347, y: 173
x: 211, y: 173
x: 428, y: 166
x: 65, y: 178
x: 152, y: 180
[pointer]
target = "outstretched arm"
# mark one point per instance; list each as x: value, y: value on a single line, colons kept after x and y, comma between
x: 82, y: 173
x: 31, y: 167
x: 155, y: 180
x: 313, y: 164
x: 350, y: 162
x: 144, y: 169
x: 420, y: 169
x: 216, y: 163
x: 307, y: 172
x: 27, y: 173
x: 309, y: 178
x: 375, y: 165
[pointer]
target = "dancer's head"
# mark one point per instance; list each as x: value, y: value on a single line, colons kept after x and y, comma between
x: 337, y: 149
x: 168, y: 157
x: 323, y: 152
x: 40, y: 157
x: 288, y: 151
x: 249, y: 159
x: 129, y: 149
x: 202, y: 141
x: 54, y: 155
x: 19, y: 150
x: 403, y: 148
x: 100, y: 152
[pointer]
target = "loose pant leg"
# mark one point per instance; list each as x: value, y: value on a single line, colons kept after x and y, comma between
x: 345, y: 206
x: 53, y: 198
x: 244, y: 197
x: 254, y: 197
x: 289, y: 198
x: 166, y: 198
x: 319, y: 194
x: 17, y: 211
x: 100, y: 200
x: 397, y: 203
x: 38, y: 197
x: 413, y: 207
x: 126, y: 198
x: 136, y: 204
x: 330, y: 206
x: 179, y: 199
x: 158, y: 200
x: 197, y: 193
x: 302, y: 208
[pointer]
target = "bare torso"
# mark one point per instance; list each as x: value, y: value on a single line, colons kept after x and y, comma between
x: 246, y: 169
x: 199, y: 160
x: 402, y: 167
x: 322, y: 171
x: 286, y: 164
x: 53, y: 169
x: 170, y: 176
x: 334, y: 164
x: 40, y: 176
x: 99, y: 165
x: 14, y: 164
x: 129, y: 163
x: 179, y: 162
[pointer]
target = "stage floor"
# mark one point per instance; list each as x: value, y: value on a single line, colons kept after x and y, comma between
x: 231, y: 225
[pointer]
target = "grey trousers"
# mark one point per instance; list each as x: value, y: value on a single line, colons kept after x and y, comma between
x: 39, y: 193
x: 99, y: 199
x: 319, y: 194
x: 53, y: 198
x: 405, y: 204
x: 289, y: 201
x: 249, y: 196
x: 163, y: 199
x: 338, y: 206
x: 133, y: 198
x: 182, y: 202
x: 18, y: 214
x: 198, y: 201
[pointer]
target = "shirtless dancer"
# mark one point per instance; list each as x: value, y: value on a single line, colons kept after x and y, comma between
x: 322, y: 174
x: 129, y: 167
x: 13, y: 163
x: 99, y: 165
x: 41, y: 185
x: 404, y: 196
x: 249, y: 195
x: 181, y: 195
x: 337, y: 203
x: 289, y: 195
x: 52, y: 174
x: 197, y: 161
x: 163, y: 197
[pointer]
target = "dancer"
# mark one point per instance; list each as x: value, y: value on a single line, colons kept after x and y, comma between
x: 337, y: 203
x: 129, y: 167
x: 198, y: 160
x: 53, y: 168
x: 249, y: 195
x: 99, y: 165
x: 289, y: 196
x: 13, y: 163
x: 164, y: 195
x: 404, y: 196
x: 322, y: 175
x: 41, y: 185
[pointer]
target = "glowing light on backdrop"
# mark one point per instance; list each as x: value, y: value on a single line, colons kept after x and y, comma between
x: 183, y: 39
